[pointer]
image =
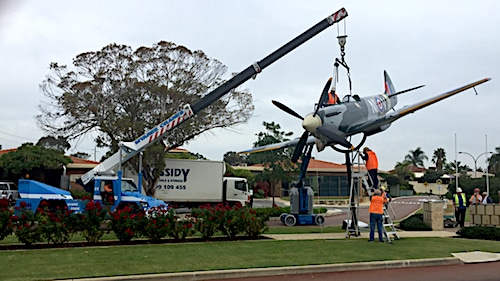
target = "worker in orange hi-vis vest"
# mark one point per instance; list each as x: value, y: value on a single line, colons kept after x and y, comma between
x: 371, y: 165
x: 376, y: 215
x: 332, y: 97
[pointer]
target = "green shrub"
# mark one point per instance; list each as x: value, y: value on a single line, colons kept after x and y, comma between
x: 80, y: 194
x: 320, y: 210
x: 414, y: 223
x: 259, y: 194
x: 480, y: 232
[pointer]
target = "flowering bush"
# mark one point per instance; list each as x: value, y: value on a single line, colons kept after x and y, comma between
x: 181, y: 228
x: 206, y: 221
x: 126, y: 222
x: 5, y: 219
x: 92, y: 220
x: 231, y: 220
x: 254, y: 225
x: 25, y: 225
x: 57, y: 224
x: 157, y: 223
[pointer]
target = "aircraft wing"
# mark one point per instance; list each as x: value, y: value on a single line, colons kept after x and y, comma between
x: 380, y: 122
x: 274, y: 146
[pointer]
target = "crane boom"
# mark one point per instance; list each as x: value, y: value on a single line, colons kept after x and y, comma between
x: 130, y: 149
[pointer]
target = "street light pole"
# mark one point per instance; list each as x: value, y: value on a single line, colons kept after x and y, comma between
x: 475, y: 164
x: 487, y: 164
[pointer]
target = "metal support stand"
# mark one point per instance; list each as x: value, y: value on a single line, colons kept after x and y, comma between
x: 352, y: 227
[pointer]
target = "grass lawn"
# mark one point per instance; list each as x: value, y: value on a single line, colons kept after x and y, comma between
x: 162, y: 258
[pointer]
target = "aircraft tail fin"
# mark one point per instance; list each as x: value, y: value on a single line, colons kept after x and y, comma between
x: 388, y: 86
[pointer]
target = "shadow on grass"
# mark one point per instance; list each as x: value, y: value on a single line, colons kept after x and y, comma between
x: 108, y: 243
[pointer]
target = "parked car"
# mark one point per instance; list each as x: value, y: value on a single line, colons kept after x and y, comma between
x: 8, y: 190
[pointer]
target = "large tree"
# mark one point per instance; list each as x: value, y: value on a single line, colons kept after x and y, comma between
x: 277, y: 163
x: 34, y: 162
x: 416, y: 157
x: 118, y: 93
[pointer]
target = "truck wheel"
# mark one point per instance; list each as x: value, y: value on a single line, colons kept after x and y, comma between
x: 290, y: 220
x: 319, y: 220
x: 282, y: 217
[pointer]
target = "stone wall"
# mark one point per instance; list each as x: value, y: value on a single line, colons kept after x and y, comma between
x: 488, y: 215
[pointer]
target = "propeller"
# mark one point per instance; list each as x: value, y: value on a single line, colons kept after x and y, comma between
x: 312, y: 123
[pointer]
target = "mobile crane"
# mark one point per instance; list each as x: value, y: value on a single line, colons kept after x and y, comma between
x: 127, y: 150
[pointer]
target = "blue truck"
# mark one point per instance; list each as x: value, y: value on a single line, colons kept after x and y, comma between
x: 124, y: 192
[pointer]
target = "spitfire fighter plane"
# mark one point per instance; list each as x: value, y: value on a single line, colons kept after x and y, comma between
x: 332, y: 125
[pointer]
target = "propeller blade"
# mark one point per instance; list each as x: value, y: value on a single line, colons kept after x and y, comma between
x: 300, y: 146
x: 287, y: 109
x: 335, y: 137
x: 324, y: 95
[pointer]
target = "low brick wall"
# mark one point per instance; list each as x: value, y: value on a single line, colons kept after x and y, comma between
x: 488, y: 215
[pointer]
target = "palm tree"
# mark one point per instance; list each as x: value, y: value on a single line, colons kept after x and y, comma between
x: 439, y: 158
x: 451, y: 167
x: 416, y: 157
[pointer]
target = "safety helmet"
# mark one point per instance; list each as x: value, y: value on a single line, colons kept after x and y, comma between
x: 459, y: 190
x: 383, y: 188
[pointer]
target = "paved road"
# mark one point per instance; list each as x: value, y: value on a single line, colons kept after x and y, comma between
x: 463, y: 272
x: 402, y: 207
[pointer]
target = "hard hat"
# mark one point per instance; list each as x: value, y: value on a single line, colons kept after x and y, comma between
x: 383, y: 188
x: 459, y: 190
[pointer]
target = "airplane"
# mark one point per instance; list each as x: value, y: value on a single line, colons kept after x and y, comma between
x: 332, y: 125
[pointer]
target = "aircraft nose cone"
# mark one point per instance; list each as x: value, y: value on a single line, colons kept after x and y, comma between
x: 311, y: 123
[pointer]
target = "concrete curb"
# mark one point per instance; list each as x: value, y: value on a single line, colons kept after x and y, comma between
x: 286, y: 270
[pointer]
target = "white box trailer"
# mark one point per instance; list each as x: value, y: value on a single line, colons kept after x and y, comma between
x: 187, y: 182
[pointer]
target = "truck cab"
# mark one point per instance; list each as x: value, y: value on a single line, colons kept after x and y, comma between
x: 236, y: 190
x: 118, y: 192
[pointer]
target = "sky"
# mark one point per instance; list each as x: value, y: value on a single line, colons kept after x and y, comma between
x: 442, y: 44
